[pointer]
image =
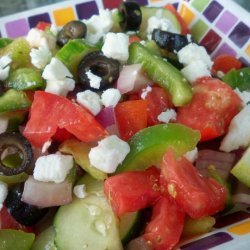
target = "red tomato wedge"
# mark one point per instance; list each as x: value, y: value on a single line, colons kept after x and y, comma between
x: 198, y: 196
x: 212, y: 108
x: 8, y: 222
x: 133, y: 190
x: 158, y: 100
x: 50, y: 112
x: 225, y: 63
x: 134, y: 38
x: 184, y: 28
x: 165, y: 227
x: 131, y: 117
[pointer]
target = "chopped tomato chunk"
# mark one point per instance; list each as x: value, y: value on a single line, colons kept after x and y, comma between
x: 50, y: 112
x: 212, y: 108
x: 225, y: 63
x: 43, y: 25
x: 165, y: 227
x: 131, y: 117
x: 133, y: 190
x: 198, y: 196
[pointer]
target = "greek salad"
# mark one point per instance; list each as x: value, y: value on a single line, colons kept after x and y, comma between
x: 119, y: 132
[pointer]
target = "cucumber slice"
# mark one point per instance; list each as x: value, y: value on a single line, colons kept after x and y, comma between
x: 87, y: 223
x: 14, y: 100
x: 5, y: 41
x: 19, y: 51
x: 73, y: 52
x: 131, y: 225
x: 80, y: 150
x: 45, y: 240
x: 15, y: 239
x: 148, y: 12
x: 25, y: 79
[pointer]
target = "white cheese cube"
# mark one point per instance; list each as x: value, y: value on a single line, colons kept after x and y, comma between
x: 116, y: 46
x: 80, y: 191
x: 4, y: 121
x: 193, y: 52
x: 110, y: 97
x: 56, y: 70
x: 109, y: 153
x: 239, y: 131
x: 5, y: 61
x: 167, y: 116
x: 40, y: 57
x: 244, y: 96
x: 3, y: 193
x: 195, y: 70
x: 53, y: 167
x: 94, y: 80
x: 90, y: 100
x: 98, y: 25
x: 60, y: 87
x: 192, y: 155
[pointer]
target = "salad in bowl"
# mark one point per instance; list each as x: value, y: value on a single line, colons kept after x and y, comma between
x: 119, y: 132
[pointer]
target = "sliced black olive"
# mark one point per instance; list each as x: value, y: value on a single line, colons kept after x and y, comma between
x: 15, y: 143
x: 71, y: 30
x: 98, y: 64
x: 170, y: 41
x: 131, y: 15
x: 22, y: 212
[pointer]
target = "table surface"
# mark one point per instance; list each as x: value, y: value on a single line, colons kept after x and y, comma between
x: 8, y: 7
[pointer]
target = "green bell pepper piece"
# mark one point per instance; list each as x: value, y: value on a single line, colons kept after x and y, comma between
x: 238, y: 79
x: 163, y: 73
x: 148, y: 146
x: 13, y: 100
x: 25, y: 79
x: 14, y: 179
x: 15, y: 239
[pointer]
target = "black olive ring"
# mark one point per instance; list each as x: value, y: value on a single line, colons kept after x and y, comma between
x: 22, y: 146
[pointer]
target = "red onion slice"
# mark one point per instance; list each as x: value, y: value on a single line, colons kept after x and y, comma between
x: 241, y: 194
x: 132, y: 79
x: 106, y: 117
x: 221, y: 160
x: 46, y: 194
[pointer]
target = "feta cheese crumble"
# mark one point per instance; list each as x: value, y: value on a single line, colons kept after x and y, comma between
x: 5, y: 61
x: 4, y: 121
x: 94, y: 80
x: 90, y: 100
x: 58, y: 78
x: 238, y: 133
x: 145, y: 92
x: 3, y: 193
x: 167, y: 116
x: 38, y: 38
x: 244, y: 96
x: 116, y: 46
x: 98, y: 25
x: 53, y: 167
x: 110, y: 97
x: 80, y: 191
x: 192, y: 155
x: 196, y: 60
x: 40, y: 57
x: 109, y: 153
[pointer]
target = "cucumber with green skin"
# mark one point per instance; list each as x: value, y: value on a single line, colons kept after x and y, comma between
x: 15, y: 239
x: 88, y: 223
x: 73, y: 52
x: 4, y: 41
x: 25, y: 79
x: 45, y: 240
x: 148, y: 146
x: 13, y: 100
x: 163, y: 73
